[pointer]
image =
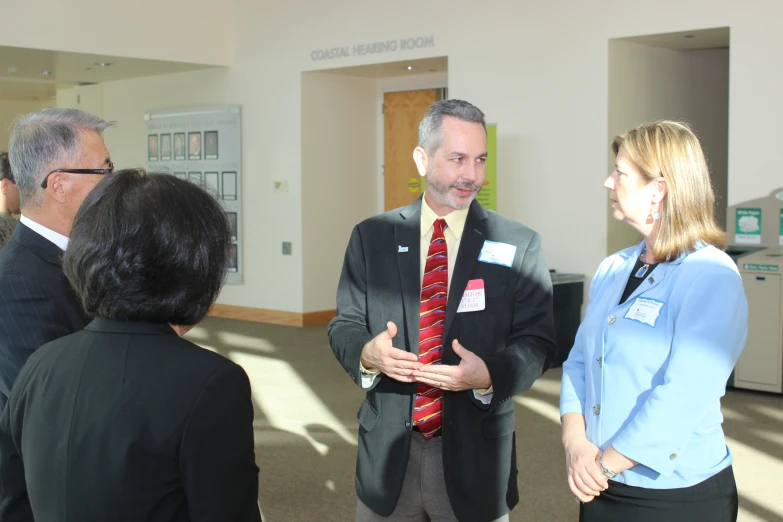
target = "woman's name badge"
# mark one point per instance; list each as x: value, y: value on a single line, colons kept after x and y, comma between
x: 473, y: 297
x: 645, y: 311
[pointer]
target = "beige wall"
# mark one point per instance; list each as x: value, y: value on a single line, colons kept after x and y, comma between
x: 342, y: 161
x: 197, y: 31
x: 339, y: 116
x: 539, y: 70
x: 648, y: 83
x: 10, y: 110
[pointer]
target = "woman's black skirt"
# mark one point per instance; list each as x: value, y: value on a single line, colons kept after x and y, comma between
x: 713, y: 500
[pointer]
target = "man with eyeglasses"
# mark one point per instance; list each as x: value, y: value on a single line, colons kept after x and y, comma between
x: 57, y: 156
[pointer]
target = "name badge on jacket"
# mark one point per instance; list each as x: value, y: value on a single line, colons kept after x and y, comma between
x: 497, y: 253
x: 473, y: 299
x: 645, y: 311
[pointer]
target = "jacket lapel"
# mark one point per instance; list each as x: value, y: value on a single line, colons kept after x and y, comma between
x: 37, y: 244
x: 407, y: 234
x: 473, y: 237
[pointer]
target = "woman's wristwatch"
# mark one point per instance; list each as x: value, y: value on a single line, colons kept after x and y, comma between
x: 606, y: 471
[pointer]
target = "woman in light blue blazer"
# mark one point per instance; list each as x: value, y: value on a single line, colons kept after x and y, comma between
x: 666, y: 322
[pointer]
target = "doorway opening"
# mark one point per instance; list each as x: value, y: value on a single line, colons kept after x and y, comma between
x: 680, y: 76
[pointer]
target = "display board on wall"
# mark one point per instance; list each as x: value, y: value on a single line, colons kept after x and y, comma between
x: 203, y: 145
x: 488, y: 194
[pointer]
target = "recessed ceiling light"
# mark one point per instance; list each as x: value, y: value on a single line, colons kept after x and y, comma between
x: 12, y: 69
x: 410, y: 67
x: 689, y: 36
x: 104, y: 64
x: 46, y: 73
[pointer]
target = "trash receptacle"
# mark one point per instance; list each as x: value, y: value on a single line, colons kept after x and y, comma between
x: 568, y: 294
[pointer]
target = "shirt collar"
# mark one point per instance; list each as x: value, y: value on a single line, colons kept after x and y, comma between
x: 58, y: 239
x: 455, y: 219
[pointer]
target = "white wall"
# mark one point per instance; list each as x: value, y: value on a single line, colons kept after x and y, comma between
x: 339, y: 122
x: 648, y: 83
x: 196, y: 31
x: 88, y: 98
x: 11, y: 109
x: 539, y: 70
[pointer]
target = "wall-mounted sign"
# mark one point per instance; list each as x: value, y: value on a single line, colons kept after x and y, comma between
x: 748, y: 226
x: 387, y: 46
x: 780, y: 238
x: 488, y: 196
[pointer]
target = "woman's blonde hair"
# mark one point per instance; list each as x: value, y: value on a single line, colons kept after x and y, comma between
x: 671, y: 150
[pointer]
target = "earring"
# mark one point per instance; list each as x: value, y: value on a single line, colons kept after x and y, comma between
x: 655, y: 215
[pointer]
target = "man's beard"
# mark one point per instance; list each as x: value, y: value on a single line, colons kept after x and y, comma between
x: 440, y: 191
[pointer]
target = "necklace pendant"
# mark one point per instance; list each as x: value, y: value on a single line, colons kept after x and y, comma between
x: 642, y: 271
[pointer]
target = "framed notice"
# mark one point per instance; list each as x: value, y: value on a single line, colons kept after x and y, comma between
x: 233, y: 259
x: 165, y: 147
x: 212, y: 183
x: 194, y: 146
x: 229, y: 186
x: 179, y: 146
x: 211, y: 145
x: 203, y: 145
x: 152, y: 147
x: 232, y: 221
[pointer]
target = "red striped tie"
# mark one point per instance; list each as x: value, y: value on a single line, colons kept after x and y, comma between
x: 428, y: 406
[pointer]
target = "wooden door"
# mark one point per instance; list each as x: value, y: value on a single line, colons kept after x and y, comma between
x: 402, y: 112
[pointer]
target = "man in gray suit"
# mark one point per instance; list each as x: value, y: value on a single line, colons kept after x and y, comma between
x: 444, y: 312
x: 57, y: 156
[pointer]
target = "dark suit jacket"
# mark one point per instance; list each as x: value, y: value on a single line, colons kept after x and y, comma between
x: 514, y: 335
x: 37, y: 304
x: 127, y: 422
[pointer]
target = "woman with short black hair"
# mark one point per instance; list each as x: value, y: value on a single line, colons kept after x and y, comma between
x: 125, y: 420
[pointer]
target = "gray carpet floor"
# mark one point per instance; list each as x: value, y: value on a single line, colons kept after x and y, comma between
x: 305, y: 427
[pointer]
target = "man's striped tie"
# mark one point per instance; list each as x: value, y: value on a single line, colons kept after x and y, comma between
x: 428, y: 406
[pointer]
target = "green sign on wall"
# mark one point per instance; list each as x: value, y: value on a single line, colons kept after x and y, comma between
x: 488, y: 194
x: 748, y: 226
x: 781, y: 227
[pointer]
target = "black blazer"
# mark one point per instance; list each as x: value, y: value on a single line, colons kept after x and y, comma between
x: 514, y: 335
x: 127, y: 422
x: 37, y: 303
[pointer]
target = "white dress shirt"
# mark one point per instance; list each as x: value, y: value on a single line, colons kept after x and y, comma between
x: 58, y: 239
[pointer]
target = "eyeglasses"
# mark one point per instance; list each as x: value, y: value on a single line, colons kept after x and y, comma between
x: 80, y: 171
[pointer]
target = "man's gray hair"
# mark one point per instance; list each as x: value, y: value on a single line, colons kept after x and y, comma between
x: 430, y: 126
x: 42, y: 141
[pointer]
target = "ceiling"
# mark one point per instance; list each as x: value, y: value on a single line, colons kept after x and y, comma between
x: 394, y: 69
x: 717, y: 38
x: 23, y: 77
